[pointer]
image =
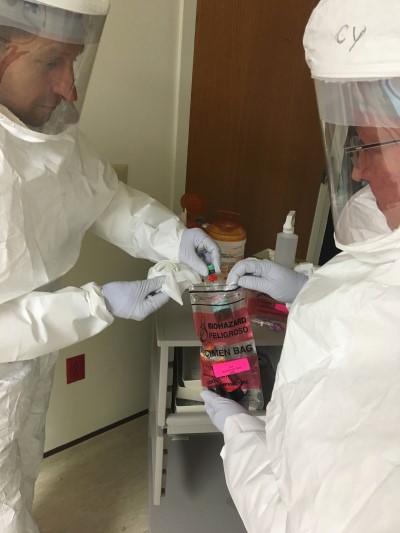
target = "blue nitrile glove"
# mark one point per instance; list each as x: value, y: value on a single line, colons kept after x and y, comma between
x: 197, y: 249
x: 219, y: 409
x: 134, y: 299
x: 279, y: 282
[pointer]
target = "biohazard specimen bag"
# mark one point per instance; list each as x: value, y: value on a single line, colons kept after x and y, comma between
x: 228, y: 356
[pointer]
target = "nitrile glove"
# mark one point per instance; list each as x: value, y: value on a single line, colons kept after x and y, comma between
x: 134, y: 299
x: 197, y: 249
x: 219, y: 409
x: 279, y: 282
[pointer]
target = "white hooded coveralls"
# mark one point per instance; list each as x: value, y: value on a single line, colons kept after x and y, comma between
x: 52, y: 190
x: 326, y: 457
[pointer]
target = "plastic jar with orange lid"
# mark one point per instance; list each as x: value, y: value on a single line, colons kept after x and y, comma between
x: 230, y: 235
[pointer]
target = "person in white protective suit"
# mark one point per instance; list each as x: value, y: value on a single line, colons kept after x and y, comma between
x: 53, y: 188
x: 326, y: 459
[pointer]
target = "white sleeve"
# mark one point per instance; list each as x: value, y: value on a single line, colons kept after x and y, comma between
x: 43, y: 322
x: 249, y: 476
x: 140, y: 225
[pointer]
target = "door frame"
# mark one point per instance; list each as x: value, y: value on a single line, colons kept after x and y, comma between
x: 319, y: 225
x: 185, y: 54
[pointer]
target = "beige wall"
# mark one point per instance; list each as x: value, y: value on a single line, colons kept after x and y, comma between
x: 136, y: 113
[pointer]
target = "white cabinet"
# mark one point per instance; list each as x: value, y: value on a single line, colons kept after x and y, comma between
x: 174, y: 329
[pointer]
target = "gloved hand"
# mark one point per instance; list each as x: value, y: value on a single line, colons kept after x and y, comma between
x: 219, y: 409
x: 134, y: 299
x: 279, y: 282
x: 197, y: 249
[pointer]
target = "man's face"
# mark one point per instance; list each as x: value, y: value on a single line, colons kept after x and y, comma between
x: 35, y: 76
x: 380, y: 167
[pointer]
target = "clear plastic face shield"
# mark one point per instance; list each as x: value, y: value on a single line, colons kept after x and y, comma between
x: 46, y: 57
x: 361, y: 129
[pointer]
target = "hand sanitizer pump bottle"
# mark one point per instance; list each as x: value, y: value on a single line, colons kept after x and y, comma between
x: 286, y: 243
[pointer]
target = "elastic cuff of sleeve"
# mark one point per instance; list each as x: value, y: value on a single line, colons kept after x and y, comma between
x: 242, y: 423
x: 95, y: 298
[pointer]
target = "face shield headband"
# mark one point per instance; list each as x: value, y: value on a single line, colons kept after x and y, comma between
x: 46, y: 58
x: 361, y: 130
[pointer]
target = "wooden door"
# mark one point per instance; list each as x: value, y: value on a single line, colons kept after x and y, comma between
x: 254, y: 139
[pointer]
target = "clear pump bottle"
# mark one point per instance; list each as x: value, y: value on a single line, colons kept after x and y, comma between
x: 286, y: 243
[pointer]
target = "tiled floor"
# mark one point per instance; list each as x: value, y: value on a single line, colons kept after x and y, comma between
x: 98, y: 486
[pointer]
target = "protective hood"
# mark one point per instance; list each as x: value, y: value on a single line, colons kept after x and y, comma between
x: 87, y: 7
x: 353, y: 51
x: 357, y: 39
x: 47, y: 51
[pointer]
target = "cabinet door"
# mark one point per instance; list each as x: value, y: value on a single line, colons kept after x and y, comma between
x: 254, y: 141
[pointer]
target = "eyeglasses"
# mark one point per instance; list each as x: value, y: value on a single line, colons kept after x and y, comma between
x: 356, y: 147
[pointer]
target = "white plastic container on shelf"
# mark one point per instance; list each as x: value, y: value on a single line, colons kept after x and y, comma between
x: 286, y: 243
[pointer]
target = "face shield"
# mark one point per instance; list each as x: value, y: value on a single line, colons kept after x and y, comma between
x: 47, y: 51
x: 361, y: 130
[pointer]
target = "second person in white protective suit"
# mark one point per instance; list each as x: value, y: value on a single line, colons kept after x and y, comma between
x: 326, y: 459
x: 53, y: 188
